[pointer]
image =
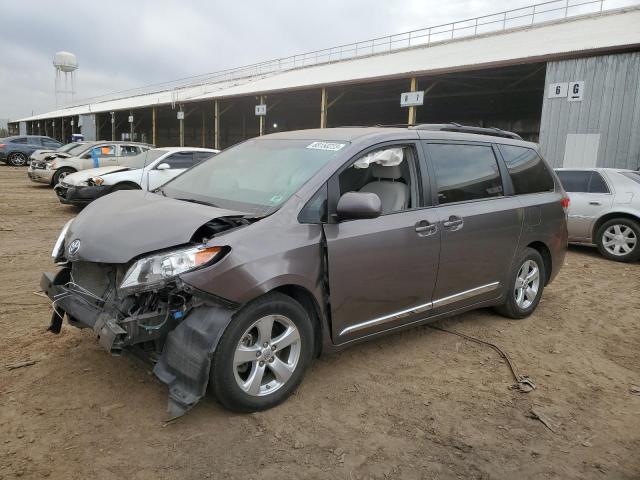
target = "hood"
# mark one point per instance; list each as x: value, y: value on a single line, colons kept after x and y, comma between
x: 126, y: 224
x: 82, y: 176
x: 53, y: 154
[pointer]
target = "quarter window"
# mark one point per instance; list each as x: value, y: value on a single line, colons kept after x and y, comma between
x: 528, y: 172
x: 465, y: 172
x: 575, y: 181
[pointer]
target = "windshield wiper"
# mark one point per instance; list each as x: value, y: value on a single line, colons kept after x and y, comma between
x: 201, y: 202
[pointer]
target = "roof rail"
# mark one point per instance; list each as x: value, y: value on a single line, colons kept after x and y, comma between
x: 456, y: 127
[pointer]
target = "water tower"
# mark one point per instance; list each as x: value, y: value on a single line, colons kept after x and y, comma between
x: 65, y: 64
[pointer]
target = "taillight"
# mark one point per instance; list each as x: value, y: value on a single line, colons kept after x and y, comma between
x: 2, y: 145
x: 565, y: 202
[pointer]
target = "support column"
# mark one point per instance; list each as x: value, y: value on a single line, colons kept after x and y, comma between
x: 323, y: 109
x: 113, y: 126
x: 153, y: 126
x: 46, y: 130
x: 262, y: 117
x: 182, y: 127
x: 412, y: 110
x: 202, y: 131
x: 216, y: 125
x: 131, y: 125
x: 62, y: 130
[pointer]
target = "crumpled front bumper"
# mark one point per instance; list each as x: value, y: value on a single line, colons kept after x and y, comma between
x: 80, y: 195
x: 40, y: 175
x: 185, y: 361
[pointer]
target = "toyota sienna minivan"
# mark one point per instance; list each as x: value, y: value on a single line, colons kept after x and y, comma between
x: 236, y: 274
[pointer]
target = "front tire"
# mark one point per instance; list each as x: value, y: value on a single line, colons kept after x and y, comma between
x: 61, y: 173
x: 17, y: 159
x: 526, y: 283
x: 619, y: 240
x: 262, y: 355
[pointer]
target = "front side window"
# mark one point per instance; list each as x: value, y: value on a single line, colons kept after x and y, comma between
x: 465, y: 172
x: 180, y: 160
x: 528, y: 172
x: 575, y: 181
x: 387, y: 172
x: 105, y: 151
x: 256, y: 176
x: 50, y: 143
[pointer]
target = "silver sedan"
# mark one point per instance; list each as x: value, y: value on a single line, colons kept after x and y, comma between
x: 604, y: 210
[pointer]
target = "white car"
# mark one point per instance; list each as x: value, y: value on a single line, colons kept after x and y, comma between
x: 146, y: 171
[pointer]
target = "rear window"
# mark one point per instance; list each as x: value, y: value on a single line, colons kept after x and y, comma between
x: 465, y: 172
x: 635, y: 176
x: 528, y: 172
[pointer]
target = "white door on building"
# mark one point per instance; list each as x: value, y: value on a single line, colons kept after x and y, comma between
x: 581, y: 150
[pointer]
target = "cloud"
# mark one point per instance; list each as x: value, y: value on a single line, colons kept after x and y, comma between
x: 124, y: 44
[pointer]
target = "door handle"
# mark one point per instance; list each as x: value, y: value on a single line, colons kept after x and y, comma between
x: 594, y: 202
x: 424, y: 228
x: 454, y: 223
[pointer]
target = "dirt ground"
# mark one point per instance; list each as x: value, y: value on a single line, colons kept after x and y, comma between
x: 419, y: 404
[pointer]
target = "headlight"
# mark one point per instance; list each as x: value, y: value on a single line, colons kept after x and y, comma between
x: 96, y: 181
x: 157, y: 269
x: 57, y: 247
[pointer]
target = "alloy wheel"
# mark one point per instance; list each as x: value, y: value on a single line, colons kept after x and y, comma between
x: 619, y: 240
x: 527, y: 284
x: 267, y: 355
x: 17, y: 159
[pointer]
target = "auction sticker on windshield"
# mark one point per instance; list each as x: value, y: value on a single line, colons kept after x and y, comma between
x: 334, y: 147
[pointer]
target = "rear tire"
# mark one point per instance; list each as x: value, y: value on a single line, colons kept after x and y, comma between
x: 262, y: 355
x: 17, y: 159
x: 526, y: 283
x: 618, y: 239
x: 61, y: 173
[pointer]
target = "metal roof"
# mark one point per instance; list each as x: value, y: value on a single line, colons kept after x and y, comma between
x: 599, y: 32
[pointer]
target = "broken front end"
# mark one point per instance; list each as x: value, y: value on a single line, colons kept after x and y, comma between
x: 144, y: 305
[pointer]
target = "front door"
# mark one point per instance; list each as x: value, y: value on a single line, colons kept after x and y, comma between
x: 382, y: 271
x: 480, y: 226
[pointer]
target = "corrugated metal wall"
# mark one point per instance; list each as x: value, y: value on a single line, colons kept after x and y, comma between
x: 610, y: 108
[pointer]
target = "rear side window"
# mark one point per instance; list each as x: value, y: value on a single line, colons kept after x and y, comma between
x: 465, y: 172
x: 528, y: 172
x: 19, y: 140
x: 129, y: 150
x: 575, y: 181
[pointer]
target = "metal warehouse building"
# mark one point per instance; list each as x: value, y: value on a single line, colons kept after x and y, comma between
x: 561, y: 73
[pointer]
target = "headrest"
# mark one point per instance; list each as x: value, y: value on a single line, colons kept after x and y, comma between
x: 389, y: 173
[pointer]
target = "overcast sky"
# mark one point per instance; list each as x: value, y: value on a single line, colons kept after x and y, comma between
x: 126, y: 44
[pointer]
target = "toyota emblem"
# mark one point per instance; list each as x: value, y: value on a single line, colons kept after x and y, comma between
x: 74, y: 247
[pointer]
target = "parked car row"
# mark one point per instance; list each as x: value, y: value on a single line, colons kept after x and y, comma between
x: 239, y: 271
x: 147, y: 171
x: 16, y: 150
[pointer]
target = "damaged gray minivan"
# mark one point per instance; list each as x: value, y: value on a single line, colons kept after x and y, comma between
x: 237, y: 273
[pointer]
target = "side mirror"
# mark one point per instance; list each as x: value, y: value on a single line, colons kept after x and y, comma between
x: 358, y: 205
x: 163, y: 166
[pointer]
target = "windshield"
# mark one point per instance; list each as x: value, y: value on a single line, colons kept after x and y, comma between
x: 256, y: 176
x: 68, y: 147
